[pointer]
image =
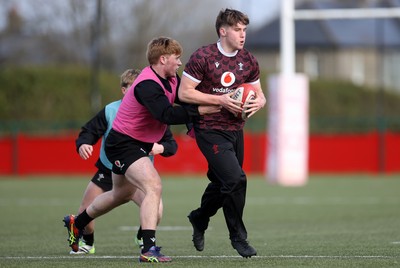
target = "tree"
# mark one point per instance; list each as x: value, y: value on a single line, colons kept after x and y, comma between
x: 59, y: 32
x: 14, y: 21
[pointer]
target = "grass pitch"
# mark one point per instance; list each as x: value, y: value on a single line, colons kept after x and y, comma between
x: 333, y: 221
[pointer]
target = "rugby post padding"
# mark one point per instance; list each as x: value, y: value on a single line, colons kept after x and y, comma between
x: 287, y: 161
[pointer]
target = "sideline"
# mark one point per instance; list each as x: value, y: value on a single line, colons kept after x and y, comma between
x: 201, y: 257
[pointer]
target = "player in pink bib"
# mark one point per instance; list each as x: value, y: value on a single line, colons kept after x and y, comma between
x: 142, y: 118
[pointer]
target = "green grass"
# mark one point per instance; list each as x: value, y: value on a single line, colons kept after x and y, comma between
x: 333, y: 221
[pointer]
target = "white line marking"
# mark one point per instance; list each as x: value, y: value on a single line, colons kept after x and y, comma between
x: 201, y: 257
x: 309, y: 200
x: 159, y: 228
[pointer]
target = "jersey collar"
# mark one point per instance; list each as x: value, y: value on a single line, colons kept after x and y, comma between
x: 225, y: 53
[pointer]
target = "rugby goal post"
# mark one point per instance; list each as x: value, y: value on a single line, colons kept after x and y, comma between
x: 287, y: 161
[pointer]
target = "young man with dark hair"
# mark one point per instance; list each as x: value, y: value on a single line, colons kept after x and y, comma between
x: 210, y: 78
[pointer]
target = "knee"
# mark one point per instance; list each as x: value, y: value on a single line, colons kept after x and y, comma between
x: 236, y: 185
x: 157, y: 189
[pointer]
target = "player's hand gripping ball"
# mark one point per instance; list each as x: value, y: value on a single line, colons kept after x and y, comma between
x: 244, y: 93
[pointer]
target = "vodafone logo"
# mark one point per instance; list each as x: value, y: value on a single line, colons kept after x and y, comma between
x: 227, y: 79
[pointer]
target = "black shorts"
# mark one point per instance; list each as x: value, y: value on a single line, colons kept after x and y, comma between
x: 123, y: 150
x: 103, y: 179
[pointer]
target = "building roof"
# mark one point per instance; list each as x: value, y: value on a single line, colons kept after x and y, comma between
x: 334, y: 33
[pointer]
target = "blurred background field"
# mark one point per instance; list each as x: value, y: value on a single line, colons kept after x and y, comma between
x: 60, y: 64
x: 334, y: 221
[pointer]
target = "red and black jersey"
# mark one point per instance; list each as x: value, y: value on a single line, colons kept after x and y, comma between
x: 218, y: 72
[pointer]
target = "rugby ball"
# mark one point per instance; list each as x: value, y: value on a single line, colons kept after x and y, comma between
x: 244, y: 93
